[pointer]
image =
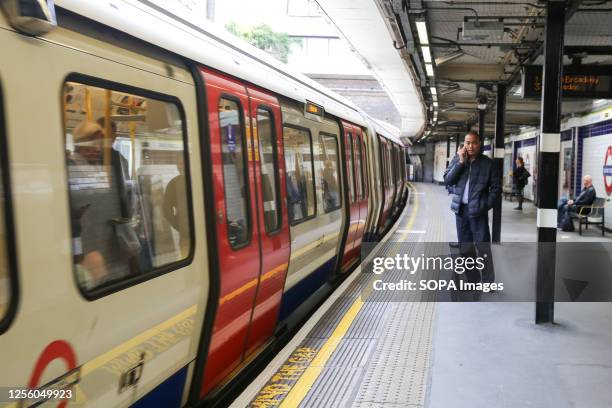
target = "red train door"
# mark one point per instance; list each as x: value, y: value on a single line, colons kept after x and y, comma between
x: 360, y: 177
x: 351, y: 199
x: 272, y: 215
x: 237, y: 232
x: 252, y: 230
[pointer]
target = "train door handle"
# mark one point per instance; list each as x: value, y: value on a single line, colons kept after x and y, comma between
x: 131, y: 377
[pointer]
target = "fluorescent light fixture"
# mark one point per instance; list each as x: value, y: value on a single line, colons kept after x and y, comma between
x: 435, y: 104
x: 429, y: 70
x: 434, y: 97
x: 422, y: 31
x: 426, y: 54
x: 433, y: 90
x: 449, y: 57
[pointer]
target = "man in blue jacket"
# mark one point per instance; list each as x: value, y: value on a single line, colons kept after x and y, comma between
x: 586, y: 197
x: 477, y: 186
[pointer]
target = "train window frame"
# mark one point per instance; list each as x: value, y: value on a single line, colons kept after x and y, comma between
x: 118, y: 286
x: 9, y: 225
x: 351, y: 183
x: 314, y: 185
x: 358, y: 169
x: 383, y: 159
x: 275, y: 163
x: 366, y: 187
x: 338, y: 168
x: 245, y: 170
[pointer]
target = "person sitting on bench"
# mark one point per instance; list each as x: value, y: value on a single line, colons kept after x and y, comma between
x: 586, y: 197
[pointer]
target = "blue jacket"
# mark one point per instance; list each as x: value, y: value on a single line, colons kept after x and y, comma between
x: 485, y: 184
x: 586, y: 197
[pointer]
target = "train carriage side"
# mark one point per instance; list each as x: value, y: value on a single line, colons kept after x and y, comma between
x: 312, y: 162
x: 375, y: 181
x: 386, y: 165
x: 356, y: 193
x: 189, y: 210
x: 113, y: 276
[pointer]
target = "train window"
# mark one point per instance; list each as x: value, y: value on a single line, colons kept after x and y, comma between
x: 328, y: 181
x: 8, y: 281
x: 350, y: 169
x: 365, y: 169
x: 389, y: 167
x: 394, y: 165
x: 128, y: 184
x: 300, y: 174
x: 403, y: 165
x: 234, y: 170
x: 268, y: 161
x: 397, y: 165
x: 359, y: 170
x: 382, y: 162
x: 385, y: 164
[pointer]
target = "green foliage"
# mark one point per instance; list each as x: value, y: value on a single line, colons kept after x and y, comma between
x: 264, y: 38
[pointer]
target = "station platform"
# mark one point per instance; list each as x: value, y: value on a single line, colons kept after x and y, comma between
x: 362, y: 349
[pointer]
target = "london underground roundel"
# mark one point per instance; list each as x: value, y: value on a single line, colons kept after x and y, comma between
x: 607, y: 171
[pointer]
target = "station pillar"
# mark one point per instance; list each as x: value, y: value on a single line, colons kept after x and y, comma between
x: 549, y: 145
x: 498, y: 155
x: 481, y: 126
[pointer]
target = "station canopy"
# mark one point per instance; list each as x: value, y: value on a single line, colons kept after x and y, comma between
x: 461, y: 50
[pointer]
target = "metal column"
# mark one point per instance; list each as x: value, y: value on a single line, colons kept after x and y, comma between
x: 481, y: 126
x: 447, y: 151
x: 498, y: 155
x: 549, y: 145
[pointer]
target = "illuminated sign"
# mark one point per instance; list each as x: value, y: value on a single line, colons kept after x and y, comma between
x: 314, y: 109
x: 578, y: 81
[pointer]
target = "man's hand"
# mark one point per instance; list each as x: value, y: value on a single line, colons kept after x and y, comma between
x: 462, y: 155
x: 570, y: 202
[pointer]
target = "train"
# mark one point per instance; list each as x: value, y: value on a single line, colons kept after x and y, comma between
x: 173, y: 201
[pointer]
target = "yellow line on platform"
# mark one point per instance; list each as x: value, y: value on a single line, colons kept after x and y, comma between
x: 310, y: 375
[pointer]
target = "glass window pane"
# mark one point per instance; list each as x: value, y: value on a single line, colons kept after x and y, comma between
x: 358, y: 174
x: 365, y: 169
x: 396, y: 164
x: 299, y: 168
x: 328, y: 180
x: 5, y: 279
x: 234, y: 180
x: 389, y: 167
x: 269, y: 170
x: 127, y: 181
x: 350, y: 169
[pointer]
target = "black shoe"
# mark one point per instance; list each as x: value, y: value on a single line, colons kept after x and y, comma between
x: 519, y: 208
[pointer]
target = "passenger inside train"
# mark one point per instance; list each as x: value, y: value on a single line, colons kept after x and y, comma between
x: 122, y: 190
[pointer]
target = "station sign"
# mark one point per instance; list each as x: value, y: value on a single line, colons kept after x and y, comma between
x: 578, y: 81
x: 314, y: 109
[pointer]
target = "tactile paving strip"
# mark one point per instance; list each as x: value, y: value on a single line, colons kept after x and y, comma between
x: 382, y: 360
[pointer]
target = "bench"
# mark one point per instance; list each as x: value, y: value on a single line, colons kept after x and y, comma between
x: 593, y: 214
x: 509, y: 192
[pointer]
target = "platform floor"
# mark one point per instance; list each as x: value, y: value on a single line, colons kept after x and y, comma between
x: 364, y: 351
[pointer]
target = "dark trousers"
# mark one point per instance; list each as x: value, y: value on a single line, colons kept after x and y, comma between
x: 475, y: 241
x: 562, y: 208
x: 519, y: 196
